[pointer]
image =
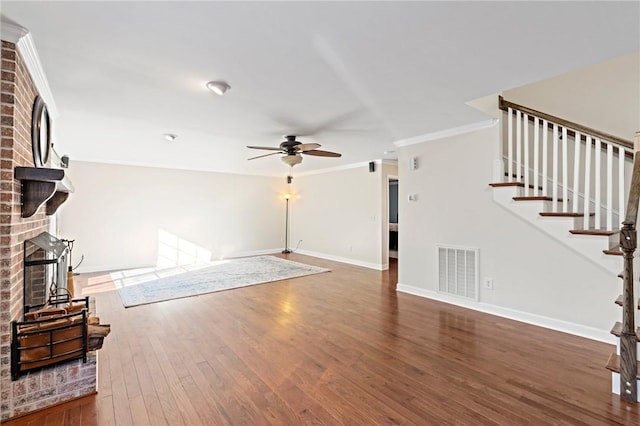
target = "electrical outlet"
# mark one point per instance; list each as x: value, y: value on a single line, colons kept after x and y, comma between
x: 488, y: 283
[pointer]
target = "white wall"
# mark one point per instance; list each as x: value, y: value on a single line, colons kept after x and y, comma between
x: 117, y: 213
x: 533, y: 274
x: 581, y: 96
x: 338, y: 215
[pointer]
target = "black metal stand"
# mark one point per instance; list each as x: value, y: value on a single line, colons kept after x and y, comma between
x: 286, y: 230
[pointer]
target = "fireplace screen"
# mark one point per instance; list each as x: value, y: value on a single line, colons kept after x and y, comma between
x: 45, y: 272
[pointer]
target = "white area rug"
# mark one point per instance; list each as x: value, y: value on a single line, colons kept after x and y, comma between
x: 142, y: 286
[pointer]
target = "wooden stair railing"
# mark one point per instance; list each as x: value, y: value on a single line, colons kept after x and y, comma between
x: 577, y: 168
x: 542, y: 173
x: 628, y: 245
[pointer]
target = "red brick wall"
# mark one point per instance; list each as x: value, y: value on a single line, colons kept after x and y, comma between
x: 54, y: 385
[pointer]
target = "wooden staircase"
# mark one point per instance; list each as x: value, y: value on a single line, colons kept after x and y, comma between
x: 558, y: 195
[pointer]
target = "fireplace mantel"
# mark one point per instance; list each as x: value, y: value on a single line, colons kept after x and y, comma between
x: 42, y: 185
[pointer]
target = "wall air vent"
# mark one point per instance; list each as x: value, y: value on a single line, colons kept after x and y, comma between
x: 458, y: 271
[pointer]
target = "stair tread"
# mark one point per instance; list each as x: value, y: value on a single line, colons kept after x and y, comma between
x: 593, y: 232
x: 614, y: 251
x: 613, y: 363
x: 617, y: 330
x: 619, y: 301
x: 499, y: 184
x: 518, y: 184
x: 562, y: 214
x: 536, y: 198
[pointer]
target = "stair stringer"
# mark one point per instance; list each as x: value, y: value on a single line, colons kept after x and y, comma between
x: 588, y: 246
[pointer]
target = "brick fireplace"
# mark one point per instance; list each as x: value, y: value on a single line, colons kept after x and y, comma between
x: 50, y: 386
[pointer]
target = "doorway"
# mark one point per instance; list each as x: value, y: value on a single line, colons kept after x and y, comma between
x: 393, y: 217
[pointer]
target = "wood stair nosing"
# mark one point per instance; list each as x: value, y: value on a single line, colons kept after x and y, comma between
x: 562, y: 214
x: 617, y: 330
x: 602, y: 232
x: 614, y: 251
x: 536, y: 198
x: 620, y: 303
x: 613, y: 364
x: 501, y: 184
x: 518, y: 184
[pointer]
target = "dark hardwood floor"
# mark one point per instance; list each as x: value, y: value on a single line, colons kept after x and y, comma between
x: 335, y: 348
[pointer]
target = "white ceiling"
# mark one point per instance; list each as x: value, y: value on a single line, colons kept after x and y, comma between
x: 355, y: 76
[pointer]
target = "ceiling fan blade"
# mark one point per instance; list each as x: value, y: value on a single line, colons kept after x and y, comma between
x: 306, y: 147
x: 265, y: 155
x: 268, y: 148
x: 320, y: 153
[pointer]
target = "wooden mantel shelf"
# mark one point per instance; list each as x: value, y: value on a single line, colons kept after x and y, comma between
x: 40, y: 186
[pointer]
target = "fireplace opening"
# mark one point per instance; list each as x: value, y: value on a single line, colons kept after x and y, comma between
x: 45, y: 273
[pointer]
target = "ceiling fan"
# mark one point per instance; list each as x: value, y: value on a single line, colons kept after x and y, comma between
x: 293, y: 150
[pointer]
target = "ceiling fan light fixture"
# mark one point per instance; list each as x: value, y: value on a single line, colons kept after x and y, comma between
x: 292, y: 160
x: 218, y: 87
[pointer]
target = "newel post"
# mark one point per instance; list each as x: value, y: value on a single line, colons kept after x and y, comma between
x: 628, y: 245
x: 628, y: 339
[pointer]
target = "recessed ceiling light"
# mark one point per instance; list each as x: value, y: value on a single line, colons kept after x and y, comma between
x: 218, y: 87
x: 389, y: 152
x: 170, y: 137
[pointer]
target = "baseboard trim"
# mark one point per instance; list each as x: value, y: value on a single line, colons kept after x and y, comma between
x: 110, y: 268
x: 525, y: 317
x: 251, y: 253
x: 376, y: 266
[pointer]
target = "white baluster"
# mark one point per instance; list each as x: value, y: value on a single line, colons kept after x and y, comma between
x: 597, y: 152
x: 509, y: 144
x: 565, y: 171
x: 621, y: 185
x: 576, y: 170
x: 587, y: 181
x: 525, y: 129
x: 518, y: 146
x: 609, y: 186
x: 536, y: 154
x: 545, y: 158
x: 554, y: 170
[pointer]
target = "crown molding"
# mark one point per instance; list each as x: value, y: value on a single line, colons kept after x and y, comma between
x: 11, y: 32
x: 446, y: 133
x: 27, y: 49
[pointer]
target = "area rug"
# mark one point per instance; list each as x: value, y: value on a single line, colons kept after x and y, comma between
x: 155, y: 285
